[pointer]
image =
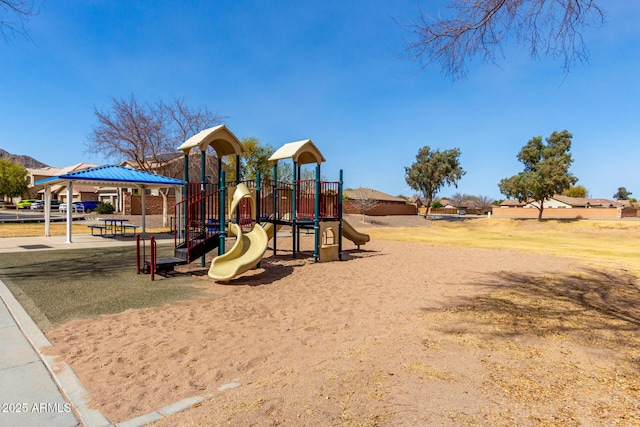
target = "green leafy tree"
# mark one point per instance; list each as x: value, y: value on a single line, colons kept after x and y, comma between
x: 13, y: 179
x: 432, y: 170
x: 576, y: 191
x: 256, y: 159
x: 105, y: 208
x: 622, y: 194
x: 546, y: 170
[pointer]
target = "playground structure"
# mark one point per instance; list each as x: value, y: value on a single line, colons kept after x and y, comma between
x: 253, y: 211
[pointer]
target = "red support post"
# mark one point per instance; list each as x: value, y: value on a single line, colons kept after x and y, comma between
x: 152, y: 256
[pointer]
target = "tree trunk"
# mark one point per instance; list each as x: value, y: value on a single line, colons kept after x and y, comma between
x: 540, y: 209
x: 429, y: 201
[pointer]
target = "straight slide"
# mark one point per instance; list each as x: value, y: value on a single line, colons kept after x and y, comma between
x: 270, y: 229
x: 352, y: 234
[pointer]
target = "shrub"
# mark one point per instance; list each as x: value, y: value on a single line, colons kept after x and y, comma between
x: 105, y: 208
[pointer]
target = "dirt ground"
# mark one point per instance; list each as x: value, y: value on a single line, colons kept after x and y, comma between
x: 399, y: 334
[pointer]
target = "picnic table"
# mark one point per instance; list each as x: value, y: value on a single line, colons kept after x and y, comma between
x: 113, y: 226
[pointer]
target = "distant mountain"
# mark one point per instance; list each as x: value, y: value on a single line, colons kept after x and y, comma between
x: 26, y: 161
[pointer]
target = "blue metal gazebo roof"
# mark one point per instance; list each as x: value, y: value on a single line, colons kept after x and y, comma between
x: 111, y: 175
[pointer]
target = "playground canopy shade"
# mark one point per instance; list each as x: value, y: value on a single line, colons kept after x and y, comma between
x: 221, y: 139
x: 302, y: 152
x: 109, y: 175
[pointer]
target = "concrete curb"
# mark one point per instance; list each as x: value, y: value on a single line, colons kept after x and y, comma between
x: 61, y: 373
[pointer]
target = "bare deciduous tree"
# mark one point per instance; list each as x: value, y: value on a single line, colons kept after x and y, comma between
x: 548, y: 27
x: 363, y: 202
x: 14, y: 15
x: 144, y: 133
x: 484, y: 203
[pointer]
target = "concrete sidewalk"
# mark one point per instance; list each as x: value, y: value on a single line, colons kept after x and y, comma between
x: 35, y: 389
x: 79, y: 241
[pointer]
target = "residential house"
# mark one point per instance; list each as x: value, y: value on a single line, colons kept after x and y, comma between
x: 125, y: 200
x: 565, y: 207
x: 375, y: 202
x: 566, y: 202
x: 59, y: 191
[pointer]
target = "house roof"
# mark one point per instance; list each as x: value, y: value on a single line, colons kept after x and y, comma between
x: 110, y: 175
x: 221, y: 139
x: 512, y: 202
x: 575, y: 202
x: 302, y: 152
x: 77, y: 189
x: 52, y: 171
x: 368, y: 193
x: 586, y: 201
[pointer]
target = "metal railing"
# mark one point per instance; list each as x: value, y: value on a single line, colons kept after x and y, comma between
x: 141, y: 255
x: 197, y: 218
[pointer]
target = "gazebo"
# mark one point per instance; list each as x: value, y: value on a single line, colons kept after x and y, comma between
x: 110, y: 175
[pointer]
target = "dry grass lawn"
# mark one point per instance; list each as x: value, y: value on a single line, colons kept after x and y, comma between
x: 57, y: 229
x: 601, y: 243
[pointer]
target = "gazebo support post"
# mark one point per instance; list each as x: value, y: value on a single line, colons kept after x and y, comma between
x: 69, y: 210
x: 144, y: 208
x: 47, y: 211
x: 185, y: 225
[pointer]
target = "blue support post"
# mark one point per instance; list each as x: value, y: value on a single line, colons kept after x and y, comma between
x: 294, y: 210
x: 258, y: 204
x: 275, y: 203
x: 316, y: 218
x: 296, y: 235
x: 340, y: 216
x: 237, y: 212
x: 258, y: 197
x: 203, y: 179
x: 237, y: 169
x: 221, y: 218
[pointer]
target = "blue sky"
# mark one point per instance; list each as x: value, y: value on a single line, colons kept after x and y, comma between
x: 329, y: 71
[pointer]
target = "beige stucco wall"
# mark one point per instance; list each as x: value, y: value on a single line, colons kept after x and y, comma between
x: 559, y: 213
x: 350, y: 207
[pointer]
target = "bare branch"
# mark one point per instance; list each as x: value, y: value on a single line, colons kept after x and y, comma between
x: 14, y: 15
x: 363, y: 203
x: 553, y: 27
x: 145, y: 133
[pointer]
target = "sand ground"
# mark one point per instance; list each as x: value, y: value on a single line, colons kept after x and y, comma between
x: 397, y: 334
